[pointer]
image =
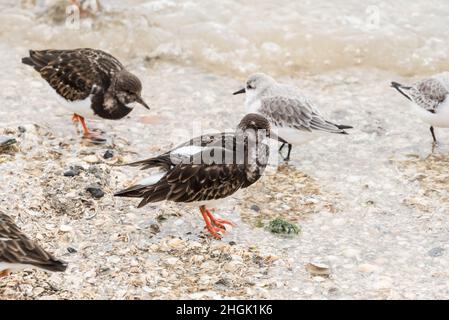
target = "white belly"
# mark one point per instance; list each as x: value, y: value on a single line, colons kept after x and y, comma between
x: 13, y: 266
x: 253, y: 107
x: 80, y: 107
x: 438, y: 119
x: 294, y: 136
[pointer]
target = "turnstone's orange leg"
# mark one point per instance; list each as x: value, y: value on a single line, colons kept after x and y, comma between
x: 87, y: 134
x: 219, y: 222
x: 214, y: 231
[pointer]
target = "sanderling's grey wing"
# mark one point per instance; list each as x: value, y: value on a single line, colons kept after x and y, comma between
x: 430, y: 93
x: 297, y: 113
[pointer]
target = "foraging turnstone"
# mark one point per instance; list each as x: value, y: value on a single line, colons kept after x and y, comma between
x: 88, y: 82
x: 296, y: 119
x: 429, y: 100
x: 207, y: 168
x: 18, y: 252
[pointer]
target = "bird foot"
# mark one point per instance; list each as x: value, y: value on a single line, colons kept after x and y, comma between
x: 216, y: 227
x: 94, y: 137
x: 435, y: 145
x: 220, y: 223
x: 215, y: 231
x: 4, y: 273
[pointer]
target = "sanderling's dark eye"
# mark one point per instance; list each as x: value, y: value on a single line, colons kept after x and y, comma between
x: 249, y: 86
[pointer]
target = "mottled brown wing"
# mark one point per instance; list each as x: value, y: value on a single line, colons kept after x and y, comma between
x: 295, y: 113
x: 189, y: 183
x: 170, y: 158
x: 17, y: 248
x: 73, y: 73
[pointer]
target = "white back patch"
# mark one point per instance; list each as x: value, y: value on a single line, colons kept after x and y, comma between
x: 152, y: 179
x: 188, y: 150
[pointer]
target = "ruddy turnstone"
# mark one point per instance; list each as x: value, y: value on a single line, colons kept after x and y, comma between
x: 207, y: 168
x: 88, y: 82
x: 18, y: 252
x: 429, y: 99
x: 296, y: 119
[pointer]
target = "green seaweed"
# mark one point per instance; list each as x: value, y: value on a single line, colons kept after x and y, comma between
x: 280, y: 226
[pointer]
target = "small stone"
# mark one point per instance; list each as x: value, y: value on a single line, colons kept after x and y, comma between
x: 318, y: 269
x: 232, y: 243
x: 71, y: 173
x: 22, y: 129
x: 368, y: 268
x: 255, y: 207
x: 175, y: 243
x: 71, y: 250
x: 108, y: 154
x: 95, y: 191
x: 91, y: 159
x: 154, y: 227
x: 436, y: 252
x: 39, y: 290
x: 65, y: 228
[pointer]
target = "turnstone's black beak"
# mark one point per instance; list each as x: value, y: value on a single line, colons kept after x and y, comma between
x: 140, y: 100
x: 240, y: 91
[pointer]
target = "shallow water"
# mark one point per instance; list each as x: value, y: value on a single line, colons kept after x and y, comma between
x: 379, y: 207
x: 239, y: 37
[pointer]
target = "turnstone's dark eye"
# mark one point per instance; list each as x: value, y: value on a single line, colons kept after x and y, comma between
x: 249, y: 86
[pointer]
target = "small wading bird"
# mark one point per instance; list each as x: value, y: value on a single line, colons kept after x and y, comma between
x: 88, y: 82
x: 207, y: 168
x: 296, y: 120
x: 429, y: 99
x: 18, y: 252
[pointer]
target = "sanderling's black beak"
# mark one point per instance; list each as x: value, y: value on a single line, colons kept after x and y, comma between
x: 240, y: 91
x: 140, y: 100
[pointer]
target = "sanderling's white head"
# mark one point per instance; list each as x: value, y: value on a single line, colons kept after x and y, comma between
x: 256, y: 86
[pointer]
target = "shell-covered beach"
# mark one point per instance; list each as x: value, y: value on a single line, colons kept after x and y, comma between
x: 371, y: 206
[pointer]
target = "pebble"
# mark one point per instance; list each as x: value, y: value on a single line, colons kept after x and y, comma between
x: 367, y: 268
x: 65, y: 228
x: 318, y: 269
x: 154, y: 227
x: 95, y: 191
x: 92, y: 159
x: 108, y: 154
x: 436, y: 252
x: 71, y: 250
x: 71, y: 173
x: 255, y: 207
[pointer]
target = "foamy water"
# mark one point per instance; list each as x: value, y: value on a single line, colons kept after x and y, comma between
x: 229, y: 36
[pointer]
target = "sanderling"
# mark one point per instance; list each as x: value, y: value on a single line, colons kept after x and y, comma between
x: 192, y: 172
x: 18, y: 252
x: 429, y: 100
x: 89, y: 83
x: 294, y: 117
